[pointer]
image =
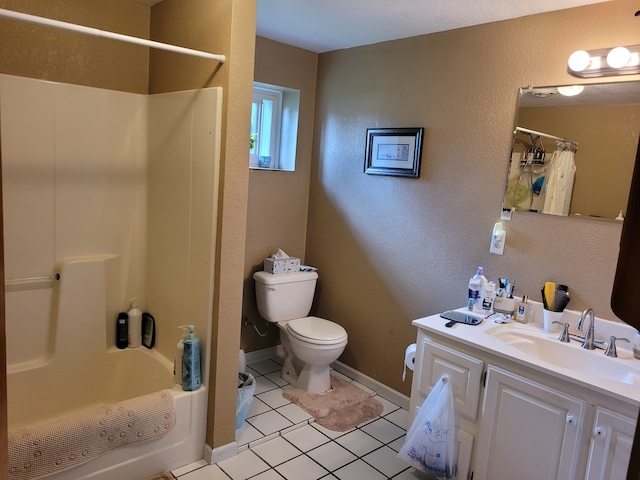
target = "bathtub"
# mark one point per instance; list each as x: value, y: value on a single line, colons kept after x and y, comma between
x: 80, y: 370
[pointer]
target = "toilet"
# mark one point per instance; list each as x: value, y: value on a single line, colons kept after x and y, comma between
x: 310, y: 344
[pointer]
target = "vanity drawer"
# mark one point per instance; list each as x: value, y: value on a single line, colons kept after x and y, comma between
x: 464, y: 371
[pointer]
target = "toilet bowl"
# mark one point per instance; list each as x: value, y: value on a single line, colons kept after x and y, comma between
x: 316, y: 343
x: 310, y: 343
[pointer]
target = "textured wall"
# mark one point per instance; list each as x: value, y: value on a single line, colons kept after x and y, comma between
x: 226, y: 27
x: 51, y: 54
x: 390, y: 250
x: 278, y: 201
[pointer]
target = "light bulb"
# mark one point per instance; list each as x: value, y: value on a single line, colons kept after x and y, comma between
x: 580, y: 60
x: 618, y: 57
x: 571, y: 90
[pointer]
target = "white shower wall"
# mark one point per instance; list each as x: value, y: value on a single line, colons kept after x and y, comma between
x: 89, y: 171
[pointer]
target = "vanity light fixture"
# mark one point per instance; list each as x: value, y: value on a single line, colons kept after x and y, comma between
x: 571, y: 90
x: 605, y: 62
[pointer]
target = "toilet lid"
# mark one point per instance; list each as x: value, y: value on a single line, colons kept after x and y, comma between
x: 316, y: 330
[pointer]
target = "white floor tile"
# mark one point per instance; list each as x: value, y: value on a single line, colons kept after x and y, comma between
x: 276, y: 451
x: 257, y: 407
x: 332, y: 456
x: 383, y: 430
x: 410, y: 474
x: 189, y: 468
x: 269, y: 422
x: 263, y: 384
x: 359, y: 469
x: 243, y: 465
x: 301, y: 468
x: 359, y: 443
x: 273, y: 398
x: 305, y: 438
x: 268, y: 475
x: 210, y: 472
x: 265, y: 367
x: 247, y: 434
x: 329, y: 433
x: 362, y: 387
x: 397, y: 444
x: 277, y: 379
x: 386, y: 461
x: 294, y: 413
x: 388, y: 407
x: 399, y: 417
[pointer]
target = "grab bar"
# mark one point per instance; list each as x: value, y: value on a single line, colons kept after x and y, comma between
x: 29, y: 280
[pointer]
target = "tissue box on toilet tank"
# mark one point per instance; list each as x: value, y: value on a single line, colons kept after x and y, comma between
x: 282, y: 265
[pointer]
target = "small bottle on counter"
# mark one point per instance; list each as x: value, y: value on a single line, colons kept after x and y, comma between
x: 636, y: 345
x: 474, y: 299
x: 488, y: 295
x: 522, y: 310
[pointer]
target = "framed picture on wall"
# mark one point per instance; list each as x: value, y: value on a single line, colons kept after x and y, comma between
x: 393, y: 151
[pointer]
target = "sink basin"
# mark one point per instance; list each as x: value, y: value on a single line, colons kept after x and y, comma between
x: 542, y: 348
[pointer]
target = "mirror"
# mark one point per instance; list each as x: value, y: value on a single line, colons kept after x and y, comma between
x: 573, y: 155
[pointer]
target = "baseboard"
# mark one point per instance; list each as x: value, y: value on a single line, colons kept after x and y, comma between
x: 385, y: 392
x: 218, y: 454
x: 259, y: 355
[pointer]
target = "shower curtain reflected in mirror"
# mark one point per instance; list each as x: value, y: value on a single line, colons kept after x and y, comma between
x: 558, y: 184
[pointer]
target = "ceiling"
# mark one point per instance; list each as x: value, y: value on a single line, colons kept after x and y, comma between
x: 325, y: 25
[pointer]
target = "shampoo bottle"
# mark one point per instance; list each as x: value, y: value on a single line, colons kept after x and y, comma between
x: 476, y: 284
x: 191, y: 379
x: 135, y: 325
x: 177, y: 362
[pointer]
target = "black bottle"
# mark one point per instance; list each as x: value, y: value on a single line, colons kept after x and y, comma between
x: 122, y: 330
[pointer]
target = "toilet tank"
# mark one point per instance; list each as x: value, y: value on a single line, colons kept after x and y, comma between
x: 284, y: 296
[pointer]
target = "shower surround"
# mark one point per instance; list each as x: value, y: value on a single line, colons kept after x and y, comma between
x: 117, y: 193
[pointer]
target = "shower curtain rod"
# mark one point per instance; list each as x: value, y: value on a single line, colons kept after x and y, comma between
x: 24, y: 17
x: 546, y: 135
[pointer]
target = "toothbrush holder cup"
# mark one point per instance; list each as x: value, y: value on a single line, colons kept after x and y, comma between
x: 549, y: 317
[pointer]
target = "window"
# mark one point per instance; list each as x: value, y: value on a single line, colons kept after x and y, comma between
x: 274, y: 127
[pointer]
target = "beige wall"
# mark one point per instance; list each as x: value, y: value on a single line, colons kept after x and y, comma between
x: 390, y: 250
x: 51, y: 54
x: 607, y: 137
x: 278, y: 200
x: 226, y: 27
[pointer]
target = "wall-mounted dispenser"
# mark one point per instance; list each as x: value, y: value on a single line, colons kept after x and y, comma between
x: 498, y: 238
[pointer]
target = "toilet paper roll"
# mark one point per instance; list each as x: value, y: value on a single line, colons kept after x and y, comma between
x: 409, y: 359
x: 242, y: 362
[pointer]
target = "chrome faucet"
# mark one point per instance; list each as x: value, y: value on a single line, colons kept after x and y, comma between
x: 588, y: 338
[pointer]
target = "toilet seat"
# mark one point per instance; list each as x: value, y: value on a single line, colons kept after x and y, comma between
x: 317, y: 331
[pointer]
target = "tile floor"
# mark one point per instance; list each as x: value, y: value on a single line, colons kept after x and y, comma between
x: 280, y: 440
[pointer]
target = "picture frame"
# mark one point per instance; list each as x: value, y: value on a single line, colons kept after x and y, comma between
x: 394, y: 151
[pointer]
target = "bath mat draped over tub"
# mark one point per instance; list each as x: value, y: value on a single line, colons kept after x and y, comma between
x: 59, y: 444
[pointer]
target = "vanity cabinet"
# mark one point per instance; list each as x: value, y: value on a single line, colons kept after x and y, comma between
x: 515, y: 421
x: 528, y: 430
x: 610, y: 446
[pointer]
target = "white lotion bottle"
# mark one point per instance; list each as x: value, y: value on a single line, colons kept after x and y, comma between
x: 177, y: 363
x: 135, y: 325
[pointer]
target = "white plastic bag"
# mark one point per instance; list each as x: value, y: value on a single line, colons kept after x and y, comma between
x: 429, y: 445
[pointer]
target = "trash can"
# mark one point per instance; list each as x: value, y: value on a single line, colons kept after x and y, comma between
x: 246, y: 389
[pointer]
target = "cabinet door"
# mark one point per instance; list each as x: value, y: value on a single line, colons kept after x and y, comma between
x: 528, y: 431
x: 464, y: 372
x: 610, y: 449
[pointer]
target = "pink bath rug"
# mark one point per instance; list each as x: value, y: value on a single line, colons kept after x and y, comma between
x: 341, y: 408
